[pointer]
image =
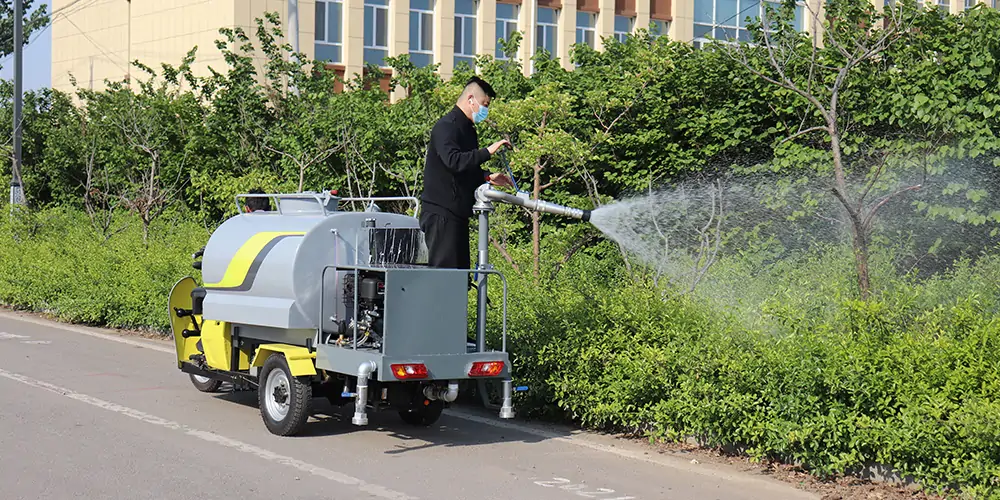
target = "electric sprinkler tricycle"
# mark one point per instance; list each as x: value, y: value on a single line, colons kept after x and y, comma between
x: 312, y: 300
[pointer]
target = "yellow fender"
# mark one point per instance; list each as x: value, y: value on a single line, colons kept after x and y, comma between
x: 180, y: 297
x: 300, y: 360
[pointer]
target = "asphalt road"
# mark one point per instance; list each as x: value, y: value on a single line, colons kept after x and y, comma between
x: 86, y: 413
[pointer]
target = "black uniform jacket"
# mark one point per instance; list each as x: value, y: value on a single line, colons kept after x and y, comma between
x: 452, y: 169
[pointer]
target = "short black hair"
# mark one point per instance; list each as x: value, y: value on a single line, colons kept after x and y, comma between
x: 255, y: 203
x: 487, y: 88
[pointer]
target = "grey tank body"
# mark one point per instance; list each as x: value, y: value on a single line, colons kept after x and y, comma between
x: 263, y: 269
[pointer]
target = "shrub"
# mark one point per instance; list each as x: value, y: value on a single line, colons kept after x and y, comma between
x: 800, y: 370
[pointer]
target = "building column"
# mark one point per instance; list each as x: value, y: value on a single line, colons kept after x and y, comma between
x: 567, y: 33
x: 444, y: 37
x: 527, y: 16
x: 354, y: 38
x: 605, y: 23
x: 307, y: 28
x: 682, y: 21
x: 486, y: 28
x: 642, y: 18
x: 399, y: 37
x: 813, y: 14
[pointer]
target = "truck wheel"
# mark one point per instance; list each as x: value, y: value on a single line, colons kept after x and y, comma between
x: 423, y: 415
x: 205, y: 384
x: 283, y: 399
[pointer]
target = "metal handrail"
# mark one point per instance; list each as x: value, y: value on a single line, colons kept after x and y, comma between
x: 321, y: 198
x: 414, y: 199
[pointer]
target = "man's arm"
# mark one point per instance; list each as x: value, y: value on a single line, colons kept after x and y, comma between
x: 453, y: 158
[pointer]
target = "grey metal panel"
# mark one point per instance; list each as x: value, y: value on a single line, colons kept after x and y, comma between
x: 247, y: 309
x: 346, y: 361
x: 277, y: 335
x: 426, y: 312
x: 439, y: 367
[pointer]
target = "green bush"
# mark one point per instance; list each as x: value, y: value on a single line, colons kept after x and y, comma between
x: 908, y: 379
x: 54, y: 262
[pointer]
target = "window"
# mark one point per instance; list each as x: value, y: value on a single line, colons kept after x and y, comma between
x: 376, y: 31
x: 726, y: 20
x: 465, y: 32
x: 506, y: 25
x: 421, y: 32
x: 970, y: 4
x: 586, y: 28
x: 623, y: 27
x: 659, y: 28
x: 545, y: 31
x: 329, y: 30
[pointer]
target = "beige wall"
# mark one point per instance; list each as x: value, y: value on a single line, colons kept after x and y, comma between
x: 95, y: 41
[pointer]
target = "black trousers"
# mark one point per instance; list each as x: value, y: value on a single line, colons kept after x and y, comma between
x: 447, y: 240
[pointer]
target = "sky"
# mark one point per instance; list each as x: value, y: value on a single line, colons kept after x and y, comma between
x: 37, y: 66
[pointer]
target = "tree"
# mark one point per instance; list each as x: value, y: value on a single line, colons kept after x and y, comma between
x: 32, y: 22
x: 831, y: 80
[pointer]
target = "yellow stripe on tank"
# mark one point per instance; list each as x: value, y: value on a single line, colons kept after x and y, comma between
x: 243, y: 259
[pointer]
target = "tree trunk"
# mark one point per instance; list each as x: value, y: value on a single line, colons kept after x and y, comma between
x: 858, y: 230
x: 861, y: 259
x: 536, y: 223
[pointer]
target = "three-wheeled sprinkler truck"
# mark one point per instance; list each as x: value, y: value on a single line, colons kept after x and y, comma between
x: 310, y: 300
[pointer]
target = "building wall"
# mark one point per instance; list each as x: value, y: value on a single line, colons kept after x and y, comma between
x: 95, y: 40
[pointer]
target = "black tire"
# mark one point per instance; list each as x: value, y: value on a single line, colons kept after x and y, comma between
x: 285, y: 407
x: 423, y: 415
x: 208, y: 385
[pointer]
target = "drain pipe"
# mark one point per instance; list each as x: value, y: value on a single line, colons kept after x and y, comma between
x: 448, y: 395
x: 361, y: 403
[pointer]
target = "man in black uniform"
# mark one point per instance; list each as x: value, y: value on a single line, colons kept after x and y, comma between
x: 452, y: 173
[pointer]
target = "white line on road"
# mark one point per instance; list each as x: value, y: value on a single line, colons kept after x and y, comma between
x: 373, y: 489
x: 8, y: 336
x: 84, y: 331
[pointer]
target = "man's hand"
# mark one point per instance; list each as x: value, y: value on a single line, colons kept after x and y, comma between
x: 498, y: 179
x: 497, y: 145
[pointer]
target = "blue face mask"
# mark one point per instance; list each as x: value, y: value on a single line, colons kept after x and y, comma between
x: 481, y: 114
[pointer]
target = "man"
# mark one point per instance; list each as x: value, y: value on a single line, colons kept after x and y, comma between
x: 452, y: 173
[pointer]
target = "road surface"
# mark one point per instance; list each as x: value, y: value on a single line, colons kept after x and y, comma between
x: 89, y: 414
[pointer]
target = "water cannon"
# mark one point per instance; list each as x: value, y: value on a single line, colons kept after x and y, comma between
x: 486, y: 195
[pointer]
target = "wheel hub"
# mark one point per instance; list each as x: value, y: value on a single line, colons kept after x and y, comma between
x: 278, y: 389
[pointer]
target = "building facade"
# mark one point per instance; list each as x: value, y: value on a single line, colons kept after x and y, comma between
x: 94, y: 39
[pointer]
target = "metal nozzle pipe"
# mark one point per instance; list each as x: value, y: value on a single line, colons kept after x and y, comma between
x: 486, y: 194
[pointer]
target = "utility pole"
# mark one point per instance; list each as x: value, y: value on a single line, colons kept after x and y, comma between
x: 293, y: 30
x: 16, y: 188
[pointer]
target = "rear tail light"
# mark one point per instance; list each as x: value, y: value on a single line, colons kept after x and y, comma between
x: 409, y: 371
x: 486, y: 368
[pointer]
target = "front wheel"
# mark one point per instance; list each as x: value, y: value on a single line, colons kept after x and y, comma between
x: 283, y: 399
x: 205, y: 384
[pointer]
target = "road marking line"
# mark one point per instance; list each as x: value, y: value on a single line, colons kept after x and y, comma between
x: 373, y: 489
x: 83, y: 331
x: 35, y: 342
x: 8, y: 336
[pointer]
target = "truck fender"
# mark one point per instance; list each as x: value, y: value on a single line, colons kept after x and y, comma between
x: 301, y: 362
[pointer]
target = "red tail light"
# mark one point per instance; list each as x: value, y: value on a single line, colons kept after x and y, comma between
x: 486, y: 368
x: 409, y: 371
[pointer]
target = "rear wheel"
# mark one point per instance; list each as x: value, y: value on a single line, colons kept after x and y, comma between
x: 283, y: 399
x: 205, y: 384
x: 423, y: 414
